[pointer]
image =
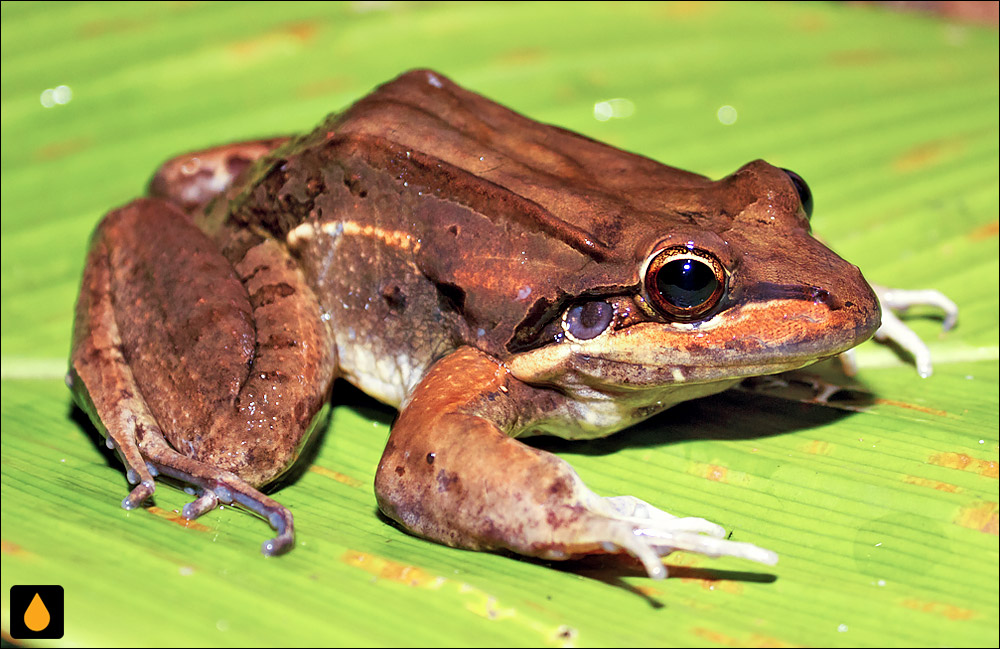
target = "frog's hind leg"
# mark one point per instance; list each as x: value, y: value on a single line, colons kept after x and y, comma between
x: 193, y: 179
x: 451, y: 474
x: 187, y: 373
x: 100, y: 378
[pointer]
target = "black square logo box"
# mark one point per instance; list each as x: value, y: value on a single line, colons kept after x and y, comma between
x: 36, y: 612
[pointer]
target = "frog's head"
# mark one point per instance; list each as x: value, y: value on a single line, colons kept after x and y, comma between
x: 583, y: 266
x: 728, y: 287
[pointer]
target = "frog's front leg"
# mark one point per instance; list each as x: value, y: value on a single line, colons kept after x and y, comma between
x: 207, y: 370
x: 450, y: 473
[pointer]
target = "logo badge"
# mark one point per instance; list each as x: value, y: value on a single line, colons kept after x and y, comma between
x: 36, y: 612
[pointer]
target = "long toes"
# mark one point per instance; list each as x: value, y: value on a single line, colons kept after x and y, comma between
x: 281, y: 520
x: 139, y: 494
x: 206, y: 502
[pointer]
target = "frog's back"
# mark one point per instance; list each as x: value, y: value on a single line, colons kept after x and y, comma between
x: 428, y: 217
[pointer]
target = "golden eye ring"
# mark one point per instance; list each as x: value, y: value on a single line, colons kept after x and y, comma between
x: 684, y: 284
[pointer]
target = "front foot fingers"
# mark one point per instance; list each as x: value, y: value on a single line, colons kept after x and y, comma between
x: 894, y: 330
x: 649, y: 534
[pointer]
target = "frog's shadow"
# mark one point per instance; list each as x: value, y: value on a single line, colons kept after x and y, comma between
x: 82, y: 421
x: 613, y: 569
x: 756, y: 409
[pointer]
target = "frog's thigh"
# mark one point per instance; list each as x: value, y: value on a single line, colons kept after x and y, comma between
x: 99, y: 376
x: 170, y: 346
x: 449, y: 473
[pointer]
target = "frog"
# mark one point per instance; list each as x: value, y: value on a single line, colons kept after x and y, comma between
x: 491, y: 277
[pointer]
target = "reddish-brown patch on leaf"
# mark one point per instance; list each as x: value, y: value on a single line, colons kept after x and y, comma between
x: 964, y: 462
x: 811, y: 22
x: 818, y: 447
x: 926, y: 154
x: 753, y: 640
x: 717, y: 637
x: 333, y: 475
x: 684, y: 560
x: 933, y: 484
x: 63, y: 148
x: 731, y: 587
x: 707, y: 579
x: 176, y: 518
x: 649, y: 591
x: 939, y: 608
x: 981, y: 516
x: 299, y: 33
x: 391, y: 570
x: 713, y: 472
x: 304, y: 31
x: 9, y: 547
x: 988, y: 231
x: 912, y: 406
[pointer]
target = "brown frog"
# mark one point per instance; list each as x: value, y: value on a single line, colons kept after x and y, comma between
x: 490, y: 276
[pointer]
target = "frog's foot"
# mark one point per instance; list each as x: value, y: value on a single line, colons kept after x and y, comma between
x: 655, y: 534
x: 626, y: 523
x: 893, y: 329
x: 193, y: 179
x: 220, y: 486
x: 132, y: 432
x: 449, y: 473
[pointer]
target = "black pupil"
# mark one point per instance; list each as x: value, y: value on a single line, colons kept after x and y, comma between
x: 686, y: 283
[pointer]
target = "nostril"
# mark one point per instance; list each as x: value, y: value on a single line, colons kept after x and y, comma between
x: 823, y: 296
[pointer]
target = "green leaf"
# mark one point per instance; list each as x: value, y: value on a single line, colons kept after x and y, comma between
x: 885, y: 519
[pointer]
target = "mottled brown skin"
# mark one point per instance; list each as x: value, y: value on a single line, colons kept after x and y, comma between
x: 425, y: 245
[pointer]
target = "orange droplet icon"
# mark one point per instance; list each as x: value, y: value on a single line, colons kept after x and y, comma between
x: 36, y: 617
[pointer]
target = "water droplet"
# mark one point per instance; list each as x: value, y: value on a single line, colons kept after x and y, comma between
x: 726, y: 115
x: 618, y: 108
x: 56, y: 96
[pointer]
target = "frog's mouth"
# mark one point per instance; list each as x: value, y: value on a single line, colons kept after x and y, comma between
x: 754, y: 339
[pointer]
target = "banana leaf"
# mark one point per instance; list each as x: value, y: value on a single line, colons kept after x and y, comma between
x: 885, y: 514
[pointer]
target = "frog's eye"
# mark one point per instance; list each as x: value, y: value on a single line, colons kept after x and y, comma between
x: 805, y: 195
x: 684, y: 283
x: 586, y: 321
